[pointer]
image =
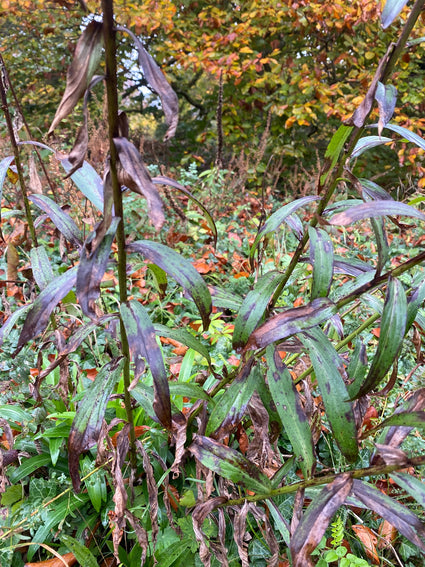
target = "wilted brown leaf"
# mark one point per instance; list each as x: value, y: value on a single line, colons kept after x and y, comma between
x: 199, y: 514
x: 152, y: 491
x: 368, y: 540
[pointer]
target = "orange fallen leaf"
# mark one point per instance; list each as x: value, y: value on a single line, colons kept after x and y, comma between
x: 69, y: 559
x: 299, y: 301
x: 376, y: 332
x: 369, y: 541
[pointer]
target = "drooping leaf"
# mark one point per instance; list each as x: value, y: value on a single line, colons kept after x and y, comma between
x: 88, y: 182
x: 391, y: 10
x: 367, y: 143
x: 163, y: 180
x: 290, y: 322
x: 38, y: 316
x: 374, y: 191
x: 84, y: 64
x: 92, y: 267
x: 230, y: 464
x: 276, y: 219
x: 329, y: 371
x: 181, y: 270
x: 183, y: 337
x: 41, y: 267
x: 406, y: 522
x: 156, y: 79
x: 134, y: 175
x: 83, y: 555
x: 141, y: 338
x: 231, y: 406
x: 321, y: 258
x: 351, y: 266
x: 316, y: 519
x: 60, y: 219
x: 412, y: 485
x: 408, y: 419
x: 415, y: 300
x: 393, y: 325
x: 375, y: 209
x: 159, y: 278
x: 290, y: 410
x: 405, y: 133
x: 252, y: 309
x: 35, y: 184
x: 386, y: 96
x: 87, y: 424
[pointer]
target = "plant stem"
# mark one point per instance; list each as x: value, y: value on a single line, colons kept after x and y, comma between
x: 112, y: 98
x: 3, y: 86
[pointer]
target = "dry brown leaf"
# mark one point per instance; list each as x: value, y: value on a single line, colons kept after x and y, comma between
x: 35, y: 182
x: 68, y: 558
x: 369, y: 541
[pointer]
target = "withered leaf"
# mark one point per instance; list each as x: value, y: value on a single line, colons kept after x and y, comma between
x: 84, y: 64
x: 134, y: 175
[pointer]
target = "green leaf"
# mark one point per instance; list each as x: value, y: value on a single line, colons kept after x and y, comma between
x: 393, y: 325
x: 88, y: 182
x: 290, y: 410
x: 11, y: 320
x: 411, y: 485
x: 92, y: 267
x: 391, y: 10
x: 60, y: 219
x: 329, y: 371
x: 159, y: 278
x: 403, y: 419
x: 87, y: 423
x: 28, y: 466
x: 38, y: 316
x: 231, y: 406
x: 41, y: 267
x: 290, y: 322
x: 252, y: 309
x: 230, y: 464
x: 415, y: 300
x: 192, y: 391
x: 367, y: 143
x: 334, y: 149
x: 181, y: 270
x: 375, y: 209
x: 321, y: 258
x: 276, y: 219
x: 144, y: 396
x: 183, y: 337
x: 82, y: 554
x: 225, y: 298
x: 357, y: 368
x: 142, y: 342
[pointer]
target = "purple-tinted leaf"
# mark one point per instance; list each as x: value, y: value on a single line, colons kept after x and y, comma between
x: 391, y: 10
x: 290, y: 322
x: 38, y: 316
x: 405, y: 521
x: 386, y: 96
x: 411, y: 485
x: 374, y: 191
x: 405, y: 133
x: 253, y: 307
x: 330, y: 373
x: 87, y: 181
x: 230, y: 464
x: 351, y: 267
x: 375, y: 209
x: 157, y: 80
x: 276, y: 219
x: 291, y: 413
x: 41, y: 267
x: 92, y: 267
x: 142, y: 341
x: 393, y: 325
x: 357, y: 368
x: 367, y: 143
x: 316, y: 519
x: 134, y: 175
x: 231, y: 406
x: 415, y: 300
x: 163, y: 180
x: 181, y: 270
x: 321, y: 258
x: 87, y: 424
x: 84, y: 64
x: 60, y: 219
x: 295, y: 224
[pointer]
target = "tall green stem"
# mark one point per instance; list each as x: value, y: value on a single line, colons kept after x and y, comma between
x: 112, y: 100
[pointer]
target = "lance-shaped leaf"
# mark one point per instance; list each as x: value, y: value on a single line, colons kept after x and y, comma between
x: 415, y: 300
x: 405, y: 133
x: 334, y: 149
x: 134, y: 175
x: 329, y: 371
x: 406, y: 420
x: 391, y: 10
x: 142, y: 342
x: 276, y: 219
x: 386, y: 96
x: 371, y: 191
x: 11, y: 320
x: 393, y: 325
x: 4, y: 166
x: 374, y: 191
x: 288, y: 405
x: 163, y: 180
x: 183, y: 337
x: 411, y: 485
x: 321, y: 258
x: 41, y: 267
x: 88, y: 182
x: 230, y: 464
x: 60, y: 219
x: 144, y: 396
x: 253, y: 307
x: 290, y: 322
x: 351, y: 267
x: 375, y: 209
x: 405, y: 521
x: 87, y: 424
x: 231, y: 406
x: 84, y: 64
x: 357, y: 368
x: 316, y: 519
x: 156, y: 79
x: 82, y: 554
x: 38, y: 316
x: 92, y: 267
x: 181, y: 270
x: 367, y: 143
